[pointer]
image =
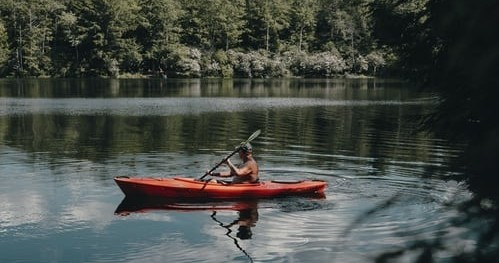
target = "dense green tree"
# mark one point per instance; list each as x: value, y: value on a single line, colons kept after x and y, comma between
x: 158, y: 30
x: 4, y: 48
x: 344, y: 25
x: 195, y: 33
x: 107, y: 27
x: 402, y: 26
x: 450, y: 47
x: 212, y: 25
x: 31, y: 25
x: 231, y: 21
x: 303, y: 18
x: 90, y: 31
x: 122, y: 52
x: 224, y: 23
x: 329, y: 25
x: 67, y: 45
x: 114, y: 37
x: 265, y: 19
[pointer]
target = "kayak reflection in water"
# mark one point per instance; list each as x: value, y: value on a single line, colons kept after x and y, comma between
x: 248, y: 216
x: 247, y: 213
x: 247, y: 172
x: 247, y: 220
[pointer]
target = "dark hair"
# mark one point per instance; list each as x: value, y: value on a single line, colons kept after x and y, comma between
x: 246, y: 148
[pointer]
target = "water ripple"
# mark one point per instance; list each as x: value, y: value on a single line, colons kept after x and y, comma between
x: 388, y: 186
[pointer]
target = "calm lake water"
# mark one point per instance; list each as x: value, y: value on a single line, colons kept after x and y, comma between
x: 63, y: 141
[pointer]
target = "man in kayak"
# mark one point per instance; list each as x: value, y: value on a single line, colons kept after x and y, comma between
x: 247, y: 172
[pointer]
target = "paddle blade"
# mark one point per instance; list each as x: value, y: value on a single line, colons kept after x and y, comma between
x: 253, y: 136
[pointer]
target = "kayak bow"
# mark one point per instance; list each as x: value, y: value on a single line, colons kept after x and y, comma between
x: 180, y: 187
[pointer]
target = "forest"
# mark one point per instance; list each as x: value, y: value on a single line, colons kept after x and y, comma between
x: 448, y: 46
x: 188, y: 38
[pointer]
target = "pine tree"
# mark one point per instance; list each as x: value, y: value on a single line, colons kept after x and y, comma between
x: 4, y: 48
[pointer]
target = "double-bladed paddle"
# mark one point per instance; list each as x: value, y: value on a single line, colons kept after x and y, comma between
x: 252, y: 137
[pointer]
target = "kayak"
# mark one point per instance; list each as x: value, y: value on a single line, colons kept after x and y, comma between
x: 181, y: 187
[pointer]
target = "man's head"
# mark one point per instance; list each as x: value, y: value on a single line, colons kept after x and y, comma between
x: 246, y: 148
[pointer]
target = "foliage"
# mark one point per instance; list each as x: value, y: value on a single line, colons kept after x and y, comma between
x: 302, y: 20
x: 374, y: 60
x: 183, y: 61
x: 115, y: 37
x: 450, y: 47
x: 402, y: 26
x: 4, y: 48
x: 218, y: 65
x: 257, y: 64
x: 468, y: 61
x: 266, y: 20
x: 324, y: 64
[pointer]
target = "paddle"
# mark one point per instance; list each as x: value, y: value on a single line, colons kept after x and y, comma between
x: 252, y: 137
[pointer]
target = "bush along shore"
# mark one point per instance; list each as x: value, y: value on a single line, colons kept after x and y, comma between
x: 190, y: 62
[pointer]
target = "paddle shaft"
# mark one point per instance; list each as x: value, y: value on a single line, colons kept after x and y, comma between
x: 252, y: 137
x: 220, y: 163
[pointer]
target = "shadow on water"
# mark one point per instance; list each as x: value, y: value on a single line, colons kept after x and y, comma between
x: 143, y: 205
x: 481, y: 215
x: 246, y: 220
x: 237, y: 230
x: 150, y: 204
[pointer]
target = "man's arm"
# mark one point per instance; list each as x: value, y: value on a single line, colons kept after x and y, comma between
x: 244, y: 170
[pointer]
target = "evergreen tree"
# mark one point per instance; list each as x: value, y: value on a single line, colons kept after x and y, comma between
x: 111, y: 37
x: 159, y: 30
x: 122, y: 52
x: 68, y: 41
x: 344, y: 26
x: 4, y: 48
x: 108, y: 44
x: 90, y: 27
x: 31, y: 25
x: 303, y: 18
x: 231, y: 22
x: 223, y: 21
x: 195, y: 33
x: 265, y: 19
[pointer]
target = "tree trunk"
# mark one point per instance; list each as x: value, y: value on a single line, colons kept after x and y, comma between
x: 301, y: 38
x: 20, y: 51
x: 267, y: 38
x: 353, y: 53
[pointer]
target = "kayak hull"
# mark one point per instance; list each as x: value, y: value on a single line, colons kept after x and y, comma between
x: 180, y: 187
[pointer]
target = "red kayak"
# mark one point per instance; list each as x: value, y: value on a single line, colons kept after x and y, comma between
x: 179, y: 187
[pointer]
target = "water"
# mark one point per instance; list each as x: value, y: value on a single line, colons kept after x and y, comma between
x: 63, y: 141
